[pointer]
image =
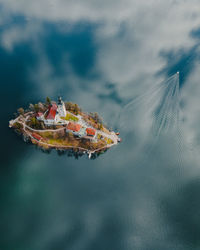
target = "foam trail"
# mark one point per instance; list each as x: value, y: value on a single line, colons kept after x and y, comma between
x: 160, y: 104
x: 154, y: 113
x: 152, y: 122
x: 166, y: 115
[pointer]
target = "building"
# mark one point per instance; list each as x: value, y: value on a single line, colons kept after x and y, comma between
x: 74, y: 128
x: 36, y: 136
x: 90, y: 132
x: 51, y: 115
x: 61, y: 108
x: 54, y: 114
x: 40, y: 116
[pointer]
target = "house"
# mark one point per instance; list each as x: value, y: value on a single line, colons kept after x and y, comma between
x: 74, y: 128
x: 40, y: 116
x: 91, y: 132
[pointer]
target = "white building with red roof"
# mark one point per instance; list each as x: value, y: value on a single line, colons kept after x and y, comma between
x: 51, y: 115
x: 54, y: 115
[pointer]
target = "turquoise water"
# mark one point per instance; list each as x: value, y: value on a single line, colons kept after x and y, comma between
x: 142, y: 194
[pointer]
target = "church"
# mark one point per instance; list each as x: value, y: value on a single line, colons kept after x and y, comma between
x: 54, y: 113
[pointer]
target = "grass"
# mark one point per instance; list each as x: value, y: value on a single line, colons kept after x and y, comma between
x: 56, y: 141
x: 70, y: 117
x: 46, y: 134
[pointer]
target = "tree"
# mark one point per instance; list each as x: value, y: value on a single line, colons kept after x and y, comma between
x: 18, y: 125
x: 36, y: 107
x: 76, y: 109
x: 100, y: 126
x: 48, y: 101
x: 31, y: 107
x: 96, y: 117
x: 69, y: 106
x: 20, y: 111
x: 35, y: 123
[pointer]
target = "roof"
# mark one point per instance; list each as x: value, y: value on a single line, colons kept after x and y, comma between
x: 74, y: 126
x: 36, y: 136
x: 39, y: 114
x: 52, y: 112
x: 90, y: 131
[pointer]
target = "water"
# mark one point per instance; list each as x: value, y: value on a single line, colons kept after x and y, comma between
x: 119, y: 59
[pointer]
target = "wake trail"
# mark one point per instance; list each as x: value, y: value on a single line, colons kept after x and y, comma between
x: 159, y: 106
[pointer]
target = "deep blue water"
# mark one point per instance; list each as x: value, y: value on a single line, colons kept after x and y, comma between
x: 143, y: 194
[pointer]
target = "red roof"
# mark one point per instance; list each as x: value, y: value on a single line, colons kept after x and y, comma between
x: 36, y: 136
x: 52, y: 112
x: 39, y: 114
x: 74, y: 126
x: 90, y: 131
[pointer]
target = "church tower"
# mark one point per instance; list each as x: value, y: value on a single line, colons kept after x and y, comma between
x: 61, y: 108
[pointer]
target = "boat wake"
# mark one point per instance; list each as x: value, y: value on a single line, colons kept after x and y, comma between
x: 155, y: 117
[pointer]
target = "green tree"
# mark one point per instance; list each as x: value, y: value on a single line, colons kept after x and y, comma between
x: 100, y: 126
x: 76, y: 109
x: 36, y: 107
x: 33, y: 121
x: 48, y: 101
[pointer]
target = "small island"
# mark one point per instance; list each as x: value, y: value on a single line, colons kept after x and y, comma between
x: 64, y: 126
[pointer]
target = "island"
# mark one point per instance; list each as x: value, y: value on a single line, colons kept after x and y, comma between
x: 64, y: 126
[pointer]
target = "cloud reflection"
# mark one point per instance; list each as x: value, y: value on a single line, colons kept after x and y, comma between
x: 128, y: 195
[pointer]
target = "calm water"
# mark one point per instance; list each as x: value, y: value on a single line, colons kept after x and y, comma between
x: 143, y: 194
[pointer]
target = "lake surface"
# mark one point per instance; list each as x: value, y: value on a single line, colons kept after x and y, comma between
x: 143, y: 194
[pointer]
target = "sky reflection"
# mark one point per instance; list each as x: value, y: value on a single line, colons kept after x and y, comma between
x: 101, y: 55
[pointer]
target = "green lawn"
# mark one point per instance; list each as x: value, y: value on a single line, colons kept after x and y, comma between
x: 70, y: 117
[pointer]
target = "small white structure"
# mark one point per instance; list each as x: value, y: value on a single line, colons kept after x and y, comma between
x: 40, y: 116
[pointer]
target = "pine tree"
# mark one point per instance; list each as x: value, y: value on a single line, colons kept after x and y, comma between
x: 48, y: 101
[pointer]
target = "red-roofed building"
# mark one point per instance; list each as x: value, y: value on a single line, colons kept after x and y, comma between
x: 52, y: 112
x: 36, y: 136
x: 40, y: 116
x: 90, y: 131
x: 74, y: 127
